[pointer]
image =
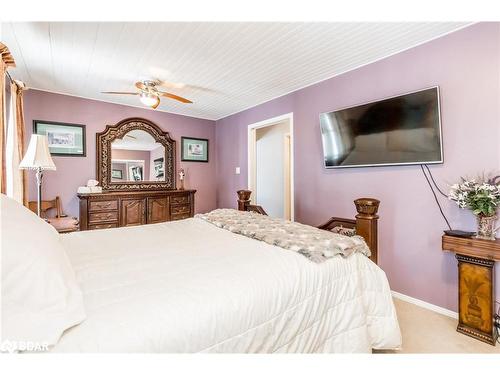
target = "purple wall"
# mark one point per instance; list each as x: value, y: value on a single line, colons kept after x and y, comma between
x: 75, y: 171
x: 465, y: 65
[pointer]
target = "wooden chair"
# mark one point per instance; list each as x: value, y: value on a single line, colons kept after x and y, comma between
x: 61, y: 222
x: 47, y: 206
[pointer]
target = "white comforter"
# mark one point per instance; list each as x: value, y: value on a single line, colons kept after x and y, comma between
x: 188, y: 286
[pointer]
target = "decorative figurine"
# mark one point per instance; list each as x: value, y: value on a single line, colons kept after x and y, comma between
x: 182, y: 174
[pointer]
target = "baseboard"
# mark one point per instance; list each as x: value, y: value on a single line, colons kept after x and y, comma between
x: 425, y: 305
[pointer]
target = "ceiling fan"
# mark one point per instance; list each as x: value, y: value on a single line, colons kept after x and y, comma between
x: 149, y: 95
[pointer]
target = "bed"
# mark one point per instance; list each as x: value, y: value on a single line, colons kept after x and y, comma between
x: 191, y: 287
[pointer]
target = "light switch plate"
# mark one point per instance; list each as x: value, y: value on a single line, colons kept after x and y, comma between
x: 237, y: 171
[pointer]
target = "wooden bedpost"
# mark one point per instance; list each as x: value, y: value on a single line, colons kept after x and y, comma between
x: 244, y: 203
x: 366, y: 223
x: 243, y: 199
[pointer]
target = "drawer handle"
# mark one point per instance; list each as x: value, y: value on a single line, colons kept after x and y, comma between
x: 103, y: 226
x: 104, y: 205
x: 105, y: 216
x: 178, y: 210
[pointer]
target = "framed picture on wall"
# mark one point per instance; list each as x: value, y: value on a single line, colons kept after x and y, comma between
x: 194, y: 149
x: 64, y: 139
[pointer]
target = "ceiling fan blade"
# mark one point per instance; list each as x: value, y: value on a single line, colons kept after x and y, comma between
x: 175, y: 97
x: 119, y: 92
x: 171, y: 85
x: 179, y: 85
x: 154, y: 106
x: 140, y: 86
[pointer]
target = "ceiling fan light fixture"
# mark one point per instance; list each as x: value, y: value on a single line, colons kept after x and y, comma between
x: 149, y: 94
x: 148, y: 99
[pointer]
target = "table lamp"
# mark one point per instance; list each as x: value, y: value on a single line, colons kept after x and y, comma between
x: 38, y: 158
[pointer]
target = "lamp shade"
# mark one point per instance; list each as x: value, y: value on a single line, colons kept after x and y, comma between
x: 38, y: 154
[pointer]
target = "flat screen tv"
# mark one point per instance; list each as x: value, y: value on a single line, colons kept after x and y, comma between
x: 404, y: 129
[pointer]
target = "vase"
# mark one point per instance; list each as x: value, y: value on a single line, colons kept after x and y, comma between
x: 486, y: 227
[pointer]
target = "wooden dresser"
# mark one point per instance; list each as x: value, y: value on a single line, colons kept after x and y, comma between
x: 128, y: 208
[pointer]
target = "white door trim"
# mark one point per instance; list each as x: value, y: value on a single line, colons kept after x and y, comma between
x: 287, y: 191
x: 288, y: 117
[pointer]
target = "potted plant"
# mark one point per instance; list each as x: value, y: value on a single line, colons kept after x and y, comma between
x: 482, y: 197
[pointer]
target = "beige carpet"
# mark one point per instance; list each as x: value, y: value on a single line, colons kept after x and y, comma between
x: 426, y: 331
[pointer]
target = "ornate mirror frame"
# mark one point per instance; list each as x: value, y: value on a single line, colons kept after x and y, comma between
x: 118, y: 131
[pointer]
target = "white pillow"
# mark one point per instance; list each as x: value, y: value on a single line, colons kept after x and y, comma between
x: 40, y: 295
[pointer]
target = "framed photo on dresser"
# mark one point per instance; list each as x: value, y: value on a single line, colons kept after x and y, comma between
x: 194, y: 149
x: 64, y: 139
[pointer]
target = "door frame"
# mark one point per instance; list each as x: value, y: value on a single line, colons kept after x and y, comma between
x: 251, y: 157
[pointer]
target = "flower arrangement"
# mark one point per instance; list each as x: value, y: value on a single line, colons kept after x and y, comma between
x: 482, y: 197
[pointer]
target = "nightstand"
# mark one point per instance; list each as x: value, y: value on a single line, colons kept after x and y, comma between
x: 64, y: 224
x: 476, y: 304
x: 61, y: 222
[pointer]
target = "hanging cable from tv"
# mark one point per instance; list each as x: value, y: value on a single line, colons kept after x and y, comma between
x: 434, y: 193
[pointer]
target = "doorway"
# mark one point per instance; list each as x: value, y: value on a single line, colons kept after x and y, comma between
x: 270, y: 165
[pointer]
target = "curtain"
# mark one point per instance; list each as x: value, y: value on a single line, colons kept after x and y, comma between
x: 13, y: 181
x: 14, y: 151
x: 2, y: 125
x: 20, y: 140
x: 6, y: 61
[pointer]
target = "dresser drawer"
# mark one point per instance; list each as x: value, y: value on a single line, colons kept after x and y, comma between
x: 177, y: 199
x: 180, y: 209
x: 179, y: 216
x: 103, y: 216
x: 103, y: 226
x: 103, y: 205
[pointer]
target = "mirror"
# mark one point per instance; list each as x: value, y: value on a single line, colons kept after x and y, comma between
x: 137, y: 157
x: 135, y: 154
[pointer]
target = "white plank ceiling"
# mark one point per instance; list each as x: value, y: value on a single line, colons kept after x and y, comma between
x: 225, y: 67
